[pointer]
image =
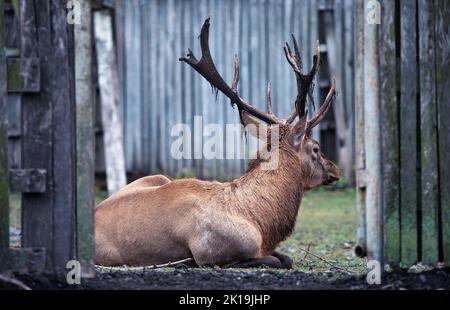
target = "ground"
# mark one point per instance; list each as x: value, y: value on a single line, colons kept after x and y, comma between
x: 321, y: 247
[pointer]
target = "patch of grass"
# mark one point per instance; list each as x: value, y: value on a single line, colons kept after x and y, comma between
x: 100, y: 195
x: 15, y: 210
x: 326, y: 226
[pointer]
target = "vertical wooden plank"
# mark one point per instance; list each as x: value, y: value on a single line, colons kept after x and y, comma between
x: 135, y: 76
x: 263, y: 61
x: 372, y: 133
x: 4, y: 168
x: 238, y: 141
x: 130, y: 99
x: 162, y: 114
x: 186, y: 88
x: 228, y: 58
x: 390, y: 138
x: 442, y: 16
x: 305, y: 35
x: 154, y: 92
x: 295, y: 29
x: 63, y: 112
x: 14, y: 104
x: 335, y: 67
x: 408, y: 132
x: 121, y: 52
x: 112, y: 124
x: 348, y: 75
x: 37, y: 145
x: 278, y: 96
x: 177, y: 48
x: 133, y: 93
x: 212, y: 105
x: 428, y: 130
x: 335, y: 49
x: 314, y: 36
x: 286, y: 76
x: 244, y: 71
x: 360, y: 248
x: 253, y: 79
x: 144, y: 164
x: 196, y: 22
x: 85, y: 141
x: 169, y: 87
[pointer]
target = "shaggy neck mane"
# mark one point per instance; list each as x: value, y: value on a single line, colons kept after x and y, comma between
x: 270, y: 198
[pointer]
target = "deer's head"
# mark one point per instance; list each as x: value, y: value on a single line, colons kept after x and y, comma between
x: 295, y: 140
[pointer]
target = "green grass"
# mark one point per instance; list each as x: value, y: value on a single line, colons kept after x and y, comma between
x: 326, y: 226
x: 15, y: 214
x: 100, y: 195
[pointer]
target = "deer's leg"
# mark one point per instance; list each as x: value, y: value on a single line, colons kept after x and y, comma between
x: 285, y: 260
x: 266, y: 261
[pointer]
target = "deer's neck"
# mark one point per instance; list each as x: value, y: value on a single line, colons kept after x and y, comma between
x: 270, y: 199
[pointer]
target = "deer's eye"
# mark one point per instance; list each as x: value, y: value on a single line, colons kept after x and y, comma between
x: 316, y: 149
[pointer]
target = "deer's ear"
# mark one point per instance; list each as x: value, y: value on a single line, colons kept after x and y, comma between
x: 254, y: 126
x: 298, y: 132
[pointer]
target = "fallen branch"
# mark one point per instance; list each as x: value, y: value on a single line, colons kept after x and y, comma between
x: 15, y: 282
x: 307, y: 251
x: 326, y: 261
x: 169, y: 264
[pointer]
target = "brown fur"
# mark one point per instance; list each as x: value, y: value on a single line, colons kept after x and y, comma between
x: 154, y: 220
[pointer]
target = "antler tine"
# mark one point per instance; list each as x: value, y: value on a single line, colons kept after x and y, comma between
x: 236, y: 74
x: 297, y: 52
x: 269, y: 99
x: 303, y: 81
x: 323, y: 108
x: 291, y: 117
x: 205, y: 66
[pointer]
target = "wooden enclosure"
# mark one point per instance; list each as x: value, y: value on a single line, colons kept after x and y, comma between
x: 46, y: 112
x: 159, y: 92
x: 391, y: 113
x: 402, y: 90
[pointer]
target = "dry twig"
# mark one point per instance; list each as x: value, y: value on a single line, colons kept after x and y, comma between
x: 169, y: 264
x: 326, y: 261
x: 15, y: 282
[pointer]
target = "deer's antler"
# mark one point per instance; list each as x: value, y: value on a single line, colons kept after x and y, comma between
x: 304, y: 81
x: 304, y: 85
x: 205, y: 66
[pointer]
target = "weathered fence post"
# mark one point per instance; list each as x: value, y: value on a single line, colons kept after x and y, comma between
x: 37, y: 145
x: 413, y: 89
x: 390, y: 134
x: 442, y: 31
x: 108, y: 83
x: 85, y: 139
x: 360, y: 248
x: 428, y: 133
x: 4, y: 168
x: 372, y: 141
x: 408, y: 133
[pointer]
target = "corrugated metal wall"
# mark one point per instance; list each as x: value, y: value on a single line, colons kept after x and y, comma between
x: 159, y: 91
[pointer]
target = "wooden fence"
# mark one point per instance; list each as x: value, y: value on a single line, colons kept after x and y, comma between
x: 50, y: 131
x: 159, y: 91
x: 404, y: 189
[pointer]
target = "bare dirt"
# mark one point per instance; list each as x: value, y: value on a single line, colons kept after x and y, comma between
x: 182, y: 278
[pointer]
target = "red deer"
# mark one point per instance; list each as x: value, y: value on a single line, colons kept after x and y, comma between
x: 240, y: 223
